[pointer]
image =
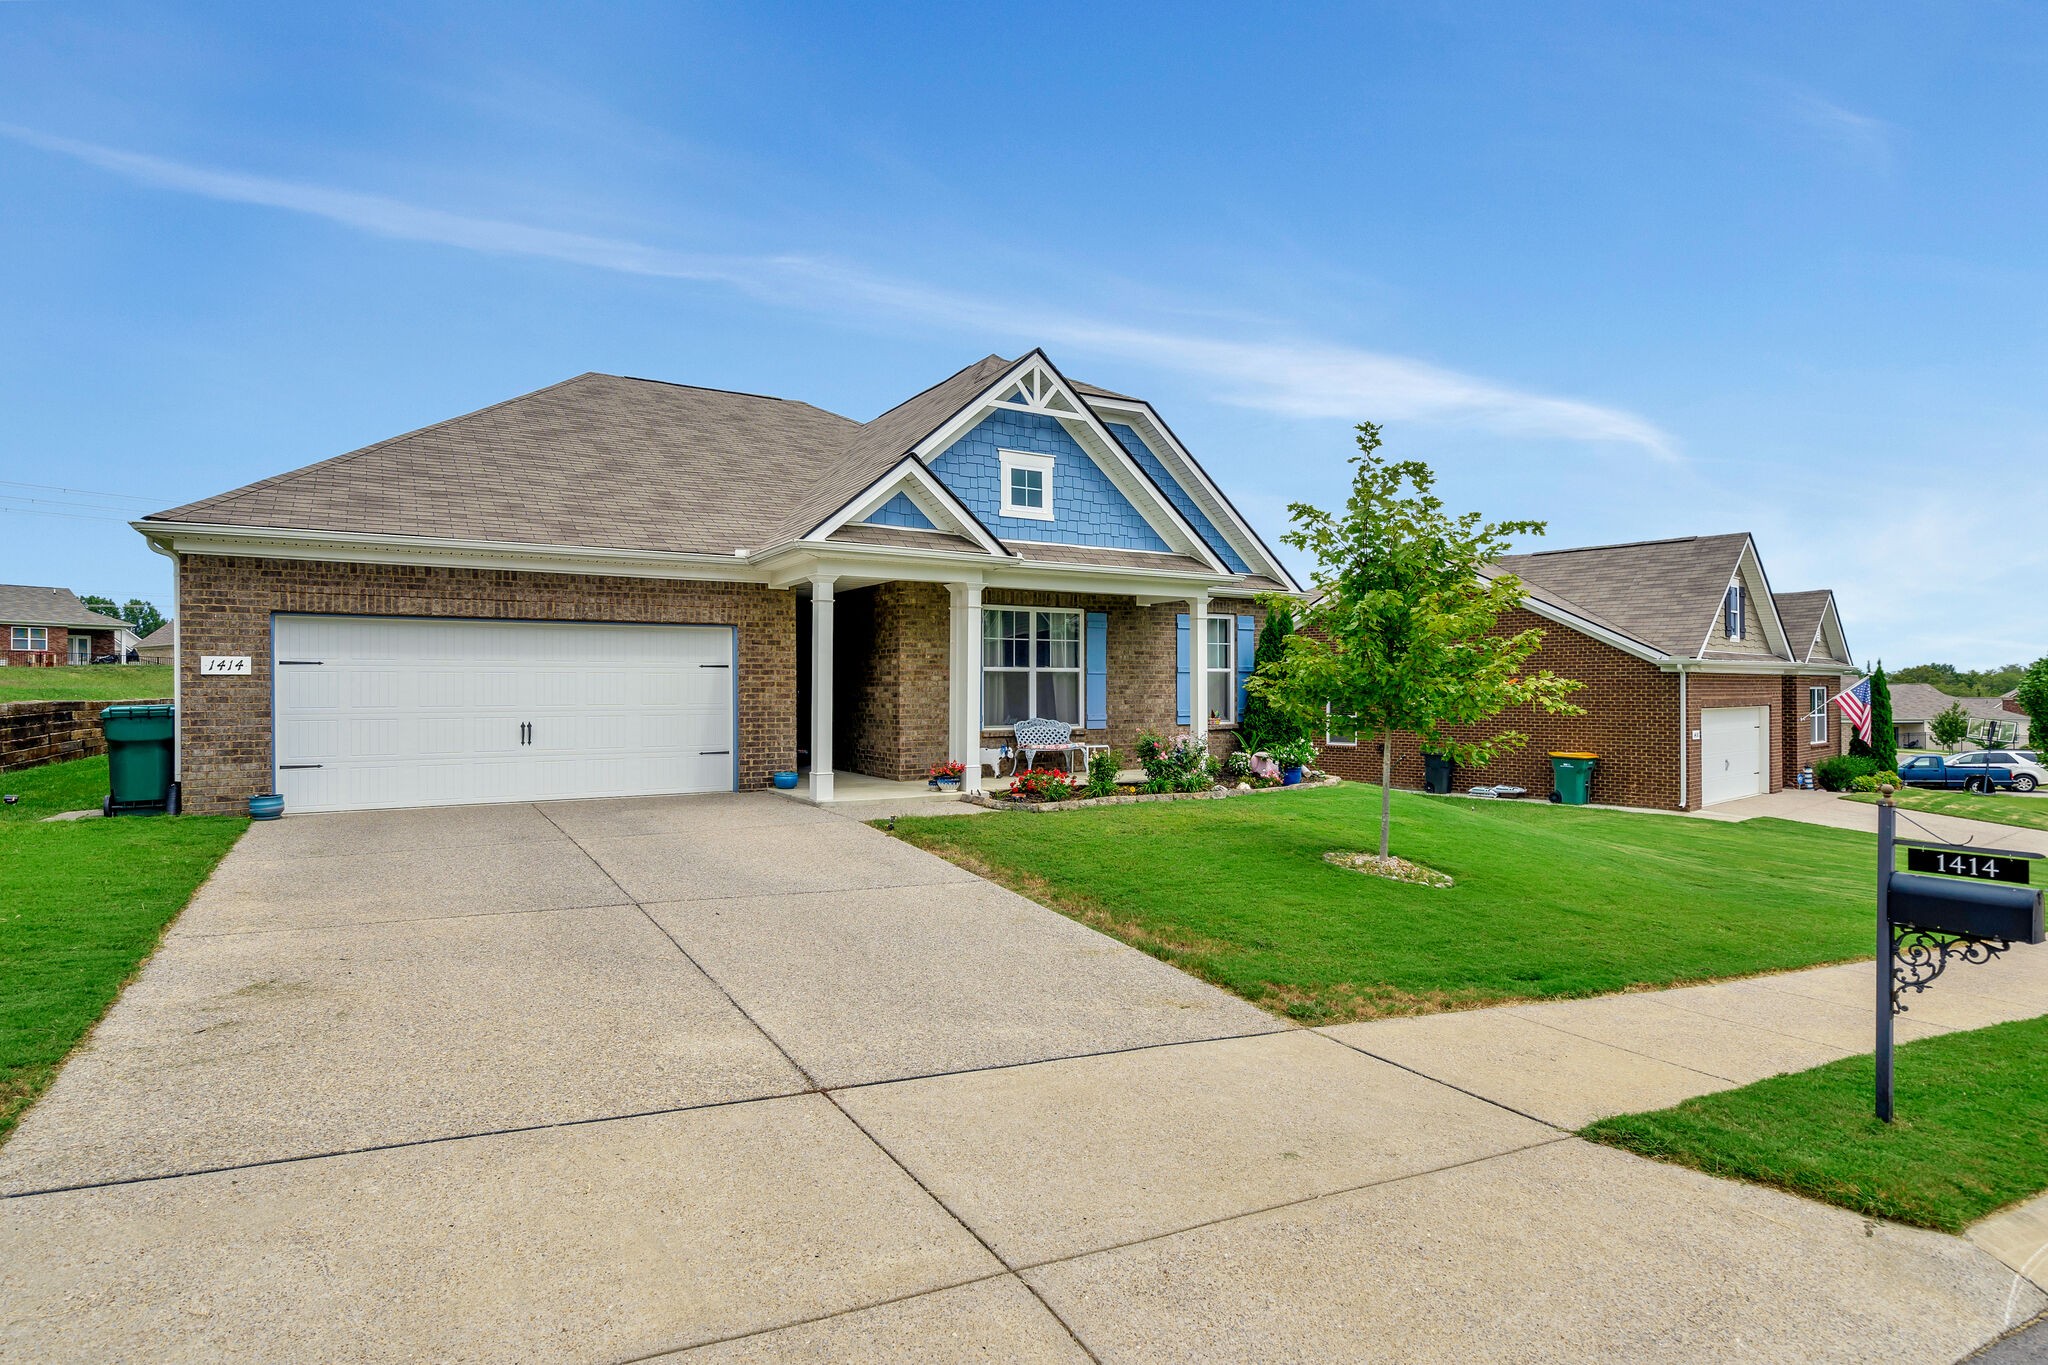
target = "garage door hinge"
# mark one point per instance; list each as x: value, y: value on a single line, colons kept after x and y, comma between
x: 712, y: 753
x: 301, y: 663
x: 288, y: 766
x: 714, y: 665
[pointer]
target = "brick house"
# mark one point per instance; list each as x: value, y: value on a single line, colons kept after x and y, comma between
x: 1702, y: 685
x: 44, y: 626
x: 619, y: 586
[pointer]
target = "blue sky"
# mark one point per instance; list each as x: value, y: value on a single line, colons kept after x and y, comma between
x: 1638, y: 270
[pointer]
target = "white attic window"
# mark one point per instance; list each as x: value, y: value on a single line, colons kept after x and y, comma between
x: 1027, y: 484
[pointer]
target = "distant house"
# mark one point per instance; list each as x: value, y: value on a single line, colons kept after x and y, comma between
x: 1915, y: 705
x: 1702, y: 685
x: 160, y: 646
x: 40, y: 626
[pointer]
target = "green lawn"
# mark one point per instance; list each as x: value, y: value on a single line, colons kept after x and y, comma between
x: 1550, y: 901
x: 104, y: 682
x: 1971, y: 1134
x: 82, y: 904
x: 2026, y: 812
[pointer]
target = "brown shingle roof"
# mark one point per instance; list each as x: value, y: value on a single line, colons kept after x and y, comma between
x: 1921, y: 702
x: 23, y: 605
x: 903, y: 538
x: 1662, y: 592
x: 1801, y: 612
x: 1104, y: 557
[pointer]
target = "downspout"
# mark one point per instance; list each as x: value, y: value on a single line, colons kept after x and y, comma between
x: 177, y: 662
x: 1684, y: 742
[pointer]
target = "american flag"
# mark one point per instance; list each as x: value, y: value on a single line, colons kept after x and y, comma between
x: 1855, y: 704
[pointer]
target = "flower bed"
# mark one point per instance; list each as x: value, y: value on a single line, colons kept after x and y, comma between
x: 1128, y: 796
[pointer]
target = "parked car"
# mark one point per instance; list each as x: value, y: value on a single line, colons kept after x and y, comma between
x: 2027, y: 772
x: 1932, y: 770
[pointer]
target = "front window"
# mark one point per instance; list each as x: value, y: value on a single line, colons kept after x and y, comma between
x: 1341, y: 731
x: 1030, y: 666
x: 1220, y: 666
x: 1817, y: 705
x: 1027, y: 484
x: 34, y: 638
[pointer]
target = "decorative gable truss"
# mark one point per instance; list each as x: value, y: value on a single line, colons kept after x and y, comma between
x: 910, y: 481
x: 1763, y: 629
x: 1033, y: 385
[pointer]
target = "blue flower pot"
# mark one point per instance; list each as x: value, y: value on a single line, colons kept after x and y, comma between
x: 1291, y: 777
x: 266, y: 807
x: 784, y: 781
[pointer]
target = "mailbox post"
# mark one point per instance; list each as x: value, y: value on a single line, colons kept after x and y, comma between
x: 1975, y: 906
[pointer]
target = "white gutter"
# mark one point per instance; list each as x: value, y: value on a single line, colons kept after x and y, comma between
x: 177, y: 665
x: 1684, y: 742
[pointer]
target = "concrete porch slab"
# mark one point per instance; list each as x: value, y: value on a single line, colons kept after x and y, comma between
x: 994, y: 1320
x: 258, y: 1047
x: 249, y: 892
x: 1067, y: 1157
x: 864, y: 986
x: 1564, y: 1253
x: 834, y: 856
x: 1548, y: 1074
x: 602, y: 1241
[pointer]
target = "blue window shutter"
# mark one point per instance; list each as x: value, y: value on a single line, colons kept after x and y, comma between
x: 1247, y: 641
x: 1096, y: 705
x: 1180, y: 677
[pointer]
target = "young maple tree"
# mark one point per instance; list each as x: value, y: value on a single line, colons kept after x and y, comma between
x: 1403, y: 639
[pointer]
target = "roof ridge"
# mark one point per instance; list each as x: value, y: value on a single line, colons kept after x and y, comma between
x: 929, y: 387
x: 700, y: 388
x: 1623, y: 545
x: 236, y: 494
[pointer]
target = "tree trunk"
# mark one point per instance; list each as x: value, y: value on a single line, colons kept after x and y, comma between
x: 1386, y: 791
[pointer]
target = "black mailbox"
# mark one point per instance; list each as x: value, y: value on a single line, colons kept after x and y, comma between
x: 1979, y: 909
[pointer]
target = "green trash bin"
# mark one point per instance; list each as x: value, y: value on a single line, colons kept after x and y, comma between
x: 139, y: 751
x: 1573, y: 774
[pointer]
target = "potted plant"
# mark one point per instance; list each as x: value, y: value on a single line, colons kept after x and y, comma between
x: 1293, y: 757
x: 946, y: 776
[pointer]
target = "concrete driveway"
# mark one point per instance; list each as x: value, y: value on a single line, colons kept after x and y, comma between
x: 737, y: 1077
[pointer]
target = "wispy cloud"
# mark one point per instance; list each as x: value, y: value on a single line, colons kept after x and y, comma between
x: 1867, y: 138
x: 1297, y: 378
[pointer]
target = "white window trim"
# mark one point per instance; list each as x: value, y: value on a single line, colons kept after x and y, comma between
x: 23, y: 639
x: 1229, y: 625
x: 1032, y: 670
x: 1026, y: 459
x: 1817, y: 721
x: 1330, y: 739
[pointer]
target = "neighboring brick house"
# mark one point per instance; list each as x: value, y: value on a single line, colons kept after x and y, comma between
x: 43, y: 626
x: 1915, y: 705
x: 618, y: 586
x: 1701, y: 684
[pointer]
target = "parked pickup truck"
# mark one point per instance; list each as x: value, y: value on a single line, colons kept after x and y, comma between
x: 1932, y: 770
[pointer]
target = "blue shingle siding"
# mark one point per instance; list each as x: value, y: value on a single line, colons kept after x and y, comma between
x: 901, y: 511
x: 1087, y: 508
x: 1177, y: 495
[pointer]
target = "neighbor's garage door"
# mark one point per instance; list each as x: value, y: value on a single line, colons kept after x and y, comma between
x: 1735, y: 753
x: 384, y: 711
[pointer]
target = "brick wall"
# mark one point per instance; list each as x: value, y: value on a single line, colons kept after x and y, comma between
x: 57, y: 653
x: 33, y: 733
x: 225, y: 606
x: 890, y: 682
x: 1797, y: 748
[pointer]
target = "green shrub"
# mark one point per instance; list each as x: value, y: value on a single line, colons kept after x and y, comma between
x: 1863, y: 783
x: 1299, y: 753
x: 1177, y: 764
x: 1838, y: 773
x: 1102, y: 769
x: 1237, y: 767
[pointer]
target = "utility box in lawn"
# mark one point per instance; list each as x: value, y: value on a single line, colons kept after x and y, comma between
x: 139, y: 759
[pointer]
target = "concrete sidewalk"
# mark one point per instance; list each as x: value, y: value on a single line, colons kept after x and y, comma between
x: 737, y: 1078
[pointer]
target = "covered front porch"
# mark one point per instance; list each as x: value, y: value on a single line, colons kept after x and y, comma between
x: 898, y: 675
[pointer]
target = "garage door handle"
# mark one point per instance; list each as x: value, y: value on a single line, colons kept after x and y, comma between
x: 712, y: 753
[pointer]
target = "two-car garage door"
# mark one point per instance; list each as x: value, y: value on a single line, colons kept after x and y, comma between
x: 1735, y: 753
x: 388, y: 711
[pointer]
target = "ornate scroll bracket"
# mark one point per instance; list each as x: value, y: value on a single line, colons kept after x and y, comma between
x: 1920, y: 955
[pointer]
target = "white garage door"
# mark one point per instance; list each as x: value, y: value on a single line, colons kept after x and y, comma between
x: 1735, y: 753
x: 388, y: 711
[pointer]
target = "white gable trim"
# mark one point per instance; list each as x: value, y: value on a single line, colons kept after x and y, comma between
x: 1034, y: 385
x: 1143, y: 419
x: 1822, y: 636
x: 1774, y: 627
x: 911, y: 478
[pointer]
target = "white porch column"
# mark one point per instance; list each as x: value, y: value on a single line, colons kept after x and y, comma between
x: 1198, y: 667
x: 821, y: 689
x: 965, y: 674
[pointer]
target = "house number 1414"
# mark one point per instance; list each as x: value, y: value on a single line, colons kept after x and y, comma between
x: 224, y: 665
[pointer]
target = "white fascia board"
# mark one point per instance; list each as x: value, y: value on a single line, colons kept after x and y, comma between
x: 353, y: 547
x: 1830, y: 616
x: 911, y: 477
x: 1088, y: 432
x: 1769, y: 667
x: 1141, y: 415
